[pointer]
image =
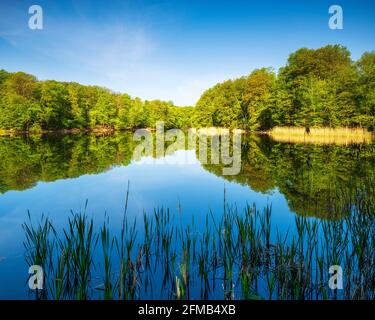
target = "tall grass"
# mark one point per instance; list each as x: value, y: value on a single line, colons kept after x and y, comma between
x: 341, y: 136
x: 241, y: 255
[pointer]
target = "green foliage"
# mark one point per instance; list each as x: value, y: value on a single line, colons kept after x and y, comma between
x: 18, y: 100
x: 30, y: 105
x: 317, y: 87
x: 257, y: 99
x: 221, y: 105
x: 240, y: 255
x: 321, y: 87
x: 54, y: 105
x: 366, y: 89
x: 104, y: 112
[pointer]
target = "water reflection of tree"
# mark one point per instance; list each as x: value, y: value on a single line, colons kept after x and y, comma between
x: 26, y: 160
x: 317, y: 180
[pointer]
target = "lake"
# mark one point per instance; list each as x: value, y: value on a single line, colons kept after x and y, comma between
x: 55, y: 174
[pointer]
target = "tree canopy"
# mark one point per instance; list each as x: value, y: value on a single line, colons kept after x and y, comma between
x: 317, y: 87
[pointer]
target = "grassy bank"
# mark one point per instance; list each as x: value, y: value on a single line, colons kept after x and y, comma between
x: 321, y: 135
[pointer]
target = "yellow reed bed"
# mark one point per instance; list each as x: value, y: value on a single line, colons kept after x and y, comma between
x: 342, y: 136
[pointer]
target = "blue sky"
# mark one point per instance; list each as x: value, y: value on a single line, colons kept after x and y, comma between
x: 175, y: 49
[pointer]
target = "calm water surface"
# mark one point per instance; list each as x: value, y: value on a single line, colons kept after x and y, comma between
x: 55, y: 174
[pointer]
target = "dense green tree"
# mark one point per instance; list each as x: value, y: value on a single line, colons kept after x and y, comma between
x: 55, y: 105
x: 19, y: 108
x: 257, y: 99
x: 138, y: 114
x: 317, y: 87
x: 3, y: 76
x: 319, y: 82
x: 221, y: 105
x: 366, y: 90
x: 124, y: 104
x: 78, y: 109
x: 104, y: 112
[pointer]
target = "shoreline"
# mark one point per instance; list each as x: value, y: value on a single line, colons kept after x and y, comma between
x: 275, y: 132
x: 11, y: 133
x: 104, y: 131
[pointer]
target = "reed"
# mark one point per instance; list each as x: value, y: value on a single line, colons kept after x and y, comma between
x: 240, y: 255
x: 107, y: 248
x: 325, y: 135
x: 81, y: 241
x: 39, y: 246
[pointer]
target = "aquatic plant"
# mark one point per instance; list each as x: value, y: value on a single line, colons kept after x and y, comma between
x: 242, y: 255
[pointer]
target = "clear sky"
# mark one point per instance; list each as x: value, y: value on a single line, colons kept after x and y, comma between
x: 171, y: 49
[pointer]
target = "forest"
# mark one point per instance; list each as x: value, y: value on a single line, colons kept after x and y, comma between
x: 316, y: 88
